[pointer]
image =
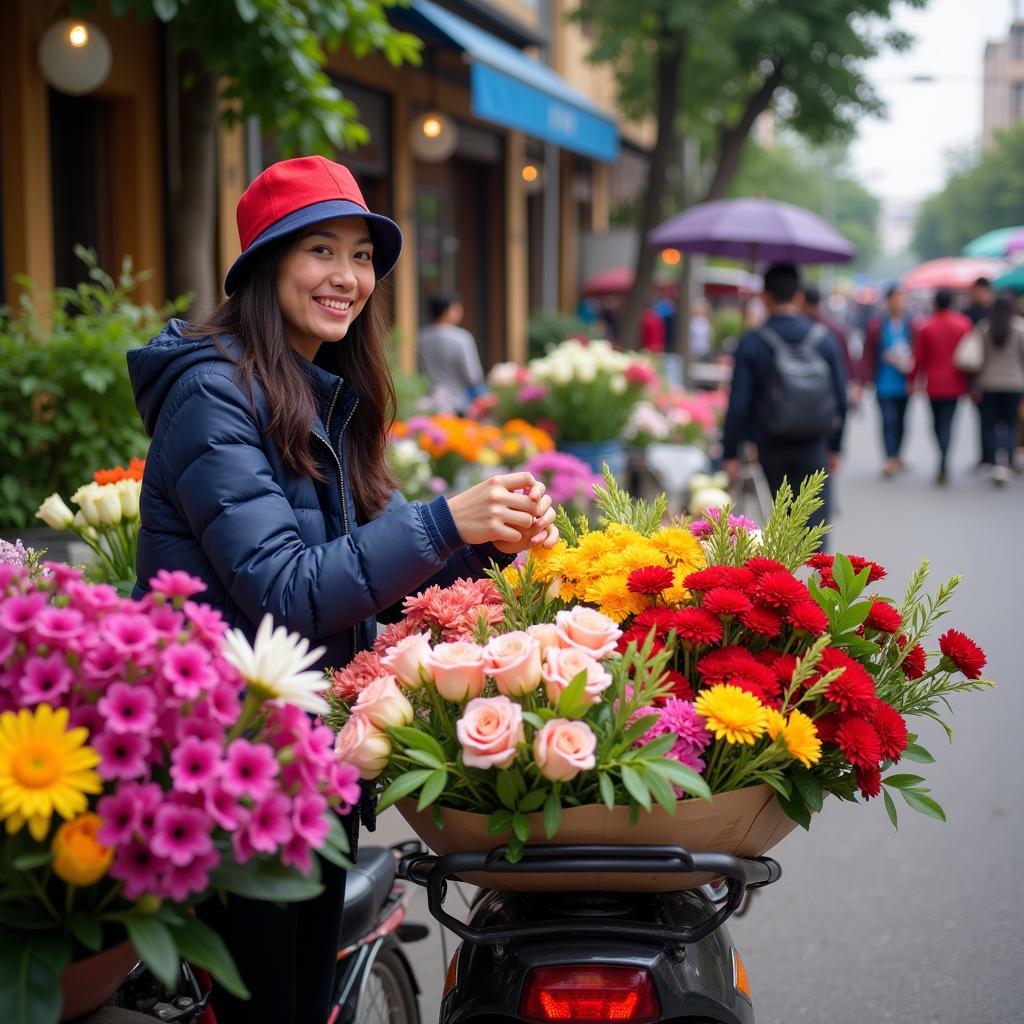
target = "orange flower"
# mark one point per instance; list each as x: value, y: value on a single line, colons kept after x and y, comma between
x: 112, y: 476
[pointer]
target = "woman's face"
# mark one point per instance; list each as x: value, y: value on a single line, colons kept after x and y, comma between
x: 324, y: 282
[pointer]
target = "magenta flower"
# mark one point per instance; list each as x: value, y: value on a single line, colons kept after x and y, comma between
x: 224, y: 703
x: 296, y: 853
x: 92, y: 598
x: 531, y: 393
x: 58, y: 625
x: 137, y: 868
x: 198, y: 728
x: 176, y: 585
x: 128, y: 708
x: 181, y: 833
x: 249, y: 769
x: 120, y: 814
x: 270, y: 825
x: 167, y: 622
x: 44, y: 679
x: 309, y: 818
x: 18, y: 612
x: 102, y: 663
x: 343, y: 782
x: 8, y: 642
x: 194, y: 764
x: 208, y: 623
x: 123, y: 755
x: 692, y: 737
x: 62, y: 574
x: 181, y: 882
x: 224, y: 808
x: 131, y: 634
x: 187, y: 668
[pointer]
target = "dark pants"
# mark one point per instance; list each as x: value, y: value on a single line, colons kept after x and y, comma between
x: 286, y: 954
x: 793, y: 461
x: 894, y: 418
x: 943, y: 411
x: 998, y: 411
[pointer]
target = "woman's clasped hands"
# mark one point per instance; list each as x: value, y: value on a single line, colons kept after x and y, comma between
x: 511, y: 511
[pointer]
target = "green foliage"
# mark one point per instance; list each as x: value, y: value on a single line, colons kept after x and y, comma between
x: 614, y: 505
x: 410, y: 386
x: 984, y: 190
x: 272, y: 53
x: 726, y: 323
x: 547, y: 328
x: 66, y: 406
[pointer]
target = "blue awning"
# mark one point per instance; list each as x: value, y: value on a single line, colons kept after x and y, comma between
x: 516, y: 91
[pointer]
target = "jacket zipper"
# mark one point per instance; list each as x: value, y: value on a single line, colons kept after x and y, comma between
x: 341, y: 476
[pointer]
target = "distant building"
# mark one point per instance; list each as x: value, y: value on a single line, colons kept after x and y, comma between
x: 1003, y: 94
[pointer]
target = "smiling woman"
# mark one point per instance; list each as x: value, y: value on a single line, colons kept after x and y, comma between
x: 267, y: 480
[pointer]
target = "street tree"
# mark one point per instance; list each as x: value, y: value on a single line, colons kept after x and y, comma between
x: 261, y: 58
x: 710, y: 68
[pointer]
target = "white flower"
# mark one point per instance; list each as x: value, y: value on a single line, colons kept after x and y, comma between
x: 274, y: 666
x: 128, y: 491
x: 55, y: 513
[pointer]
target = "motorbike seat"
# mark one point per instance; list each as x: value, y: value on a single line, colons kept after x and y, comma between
x: 367, y: 885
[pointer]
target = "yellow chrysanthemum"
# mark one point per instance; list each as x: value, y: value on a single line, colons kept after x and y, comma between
x: 596, y: 543
x: 613, y: 599
x: 799, y: 734
x: 680, y: 546
x: 547, y: 562
x: 732, y: 714
x: 677, y: 595
x: 45, y: 768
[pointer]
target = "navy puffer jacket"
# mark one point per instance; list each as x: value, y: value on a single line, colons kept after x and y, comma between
x: 218, y: 503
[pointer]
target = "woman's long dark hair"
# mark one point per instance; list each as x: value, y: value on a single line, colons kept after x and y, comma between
x: 1000, y: 318
x: 253, y: 316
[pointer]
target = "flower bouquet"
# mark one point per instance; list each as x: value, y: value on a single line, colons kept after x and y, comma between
x: 148, y: 759
x: 107, y: 520
x: 676, y: 417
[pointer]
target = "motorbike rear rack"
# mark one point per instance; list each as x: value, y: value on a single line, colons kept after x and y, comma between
x: 741, y: 873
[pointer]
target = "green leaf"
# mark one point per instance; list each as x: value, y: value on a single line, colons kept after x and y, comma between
x: 334, y: 855
x: 903, y: 781
x: 684, y: 778
x: 635, y: 786
x: 796, y: 809
x: 532, y: 718
x: 853, y: 617
x: 266, y: 880
x: 607, y: 788
x: 890, y: 808
x: 247, y: 10
x: 30, y: 970
x: 915, y: 752
x: 924, y: 804
x: 809, y: 788
x: 154, y: 942
x: 417, y: 740
x: 573, y: 700
x: 532, y: 801
x: 433, y: 788
x: 337, y: 837
x: 842, y: 571
x: 656, y: 748
x: 661, y: 789
x: 201, y: 945
x: 87, y: 930
x: 28, y: 861
x: 500, y: 821
x: 424, y: 757
x: 520, y: 827
x: 402, y: 787
x: 507, y: 792
x: 633, y: 732
x: 552, y: 815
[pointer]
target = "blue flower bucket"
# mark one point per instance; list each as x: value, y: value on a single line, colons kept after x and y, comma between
x: 596, y: 453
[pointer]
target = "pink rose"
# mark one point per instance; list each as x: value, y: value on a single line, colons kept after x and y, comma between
x: 513, y: 662
x: 384, y: 704
x: 362, y: 744
x: 546, y: 634
x: 406, y: 659
x: 457, y: 670
x: 563, y: 749
x: 489, y: 729
x: 563, y: 664
x: 588, y: 630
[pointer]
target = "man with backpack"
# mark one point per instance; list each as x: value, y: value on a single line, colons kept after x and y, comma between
x: 788, y: 392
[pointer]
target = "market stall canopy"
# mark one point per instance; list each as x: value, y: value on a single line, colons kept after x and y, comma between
x: 754, y: 229
x: 993, y: 244
x: 716, y: 281
x: 956, y: 272
x: 516, y: 91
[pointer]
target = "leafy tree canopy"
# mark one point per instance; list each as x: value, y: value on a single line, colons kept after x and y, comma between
x: 271, y: 56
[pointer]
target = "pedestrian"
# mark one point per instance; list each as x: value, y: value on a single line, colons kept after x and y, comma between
x: 937, y: 340
x: 810, y: 306
x: 999, y: 385
x: 267, y: 479
x: 447, y: 355
x: 788, y: 392
x: 886, y: 363
x: 981, y: 297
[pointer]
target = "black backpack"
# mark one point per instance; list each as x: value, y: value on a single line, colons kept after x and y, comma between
x: 799, y: 399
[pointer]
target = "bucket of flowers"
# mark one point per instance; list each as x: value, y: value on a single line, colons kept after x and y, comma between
x: 149, y: 758
x: 652, y: 683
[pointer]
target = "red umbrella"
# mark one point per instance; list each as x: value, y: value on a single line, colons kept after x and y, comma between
x: 956, y: 272
x: 613, y: 281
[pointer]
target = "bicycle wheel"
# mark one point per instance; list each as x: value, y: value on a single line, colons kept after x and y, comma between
x: 389, y: 996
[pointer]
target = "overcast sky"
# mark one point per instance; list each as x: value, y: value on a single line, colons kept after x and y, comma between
x: 902, y: 156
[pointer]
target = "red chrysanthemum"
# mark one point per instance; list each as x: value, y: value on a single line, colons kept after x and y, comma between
x: 719, y: 576
x: 659, y: 618
x: 681, y: 688
x: 820, y: 561
x: 762, y: 621
x: 759, y: 566
x: 963, y: 652
x: 826, y: 579
x: 823, y: 564
x: 877, y: 572
x: 751, y: 686
x: 808, y: 616
x: 884, y: 616
x: 717, y: 665
x: 854, y: 690
x: 891, y: 729
x: 780, y: 590
x: 858, y: 740
x: 784, y: 666
x: 725, y: 601
x: 697, y: 626
x: 638, y: 635
x: 869, y: 780
x: 650, y: 579
x: 828, y: 726
x: 915, y: 661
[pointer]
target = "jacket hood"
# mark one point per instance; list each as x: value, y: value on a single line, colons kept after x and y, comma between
x: 156, y: 368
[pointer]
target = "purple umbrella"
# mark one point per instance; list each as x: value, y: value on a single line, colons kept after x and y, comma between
x: 754, y: 229
x: 1016, y: 242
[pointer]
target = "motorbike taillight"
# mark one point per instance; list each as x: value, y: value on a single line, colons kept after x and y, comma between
x: 589, y: 994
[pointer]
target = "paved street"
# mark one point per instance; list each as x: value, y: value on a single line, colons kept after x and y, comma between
x: 868, y: 924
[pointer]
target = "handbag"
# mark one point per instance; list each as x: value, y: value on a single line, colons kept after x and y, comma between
x: 969, y: 355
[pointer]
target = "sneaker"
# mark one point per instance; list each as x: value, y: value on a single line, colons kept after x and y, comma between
x: 1000, y: 475
x: 941, y: 478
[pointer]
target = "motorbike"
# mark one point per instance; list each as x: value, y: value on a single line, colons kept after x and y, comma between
x: 374, y: 983
x: 594, y: 957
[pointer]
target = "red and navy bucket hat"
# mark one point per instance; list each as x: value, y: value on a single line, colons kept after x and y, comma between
x: 294, y: 194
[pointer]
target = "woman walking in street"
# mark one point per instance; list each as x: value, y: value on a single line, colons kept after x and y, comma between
x: 1000, y: 384
x: 886, y: 362
x: 267, y: 479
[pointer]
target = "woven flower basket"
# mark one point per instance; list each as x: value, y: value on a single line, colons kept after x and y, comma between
x: 746, y: 822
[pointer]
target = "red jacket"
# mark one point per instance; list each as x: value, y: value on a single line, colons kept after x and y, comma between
x: 937, y: 339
